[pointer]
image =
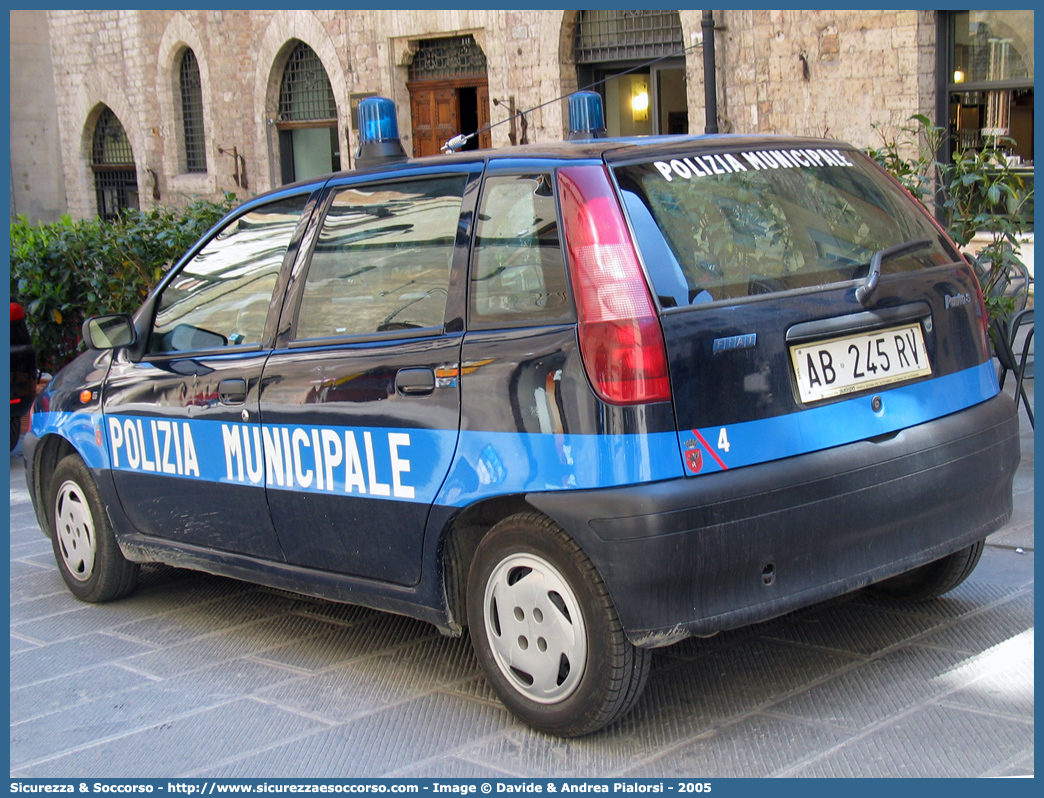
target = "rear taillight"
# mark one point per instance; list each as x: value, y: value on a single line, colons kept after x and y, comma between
x: 17, y: 314
x: 621, y: 341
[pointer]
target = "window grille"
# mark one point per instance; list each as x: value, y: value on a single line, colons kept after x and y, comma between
x: 112, y: 160
x: 620, y: 35
x: 305, y: 93
x: 455, y: 57
x: 110, y: 142
x: 192, y: 114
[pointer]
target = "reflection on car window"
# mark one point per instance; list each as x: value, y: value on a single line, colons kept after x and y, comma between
x: 221, y: 297
x: 517, y: 272
x: 382, y: 260
x: 755, y: 230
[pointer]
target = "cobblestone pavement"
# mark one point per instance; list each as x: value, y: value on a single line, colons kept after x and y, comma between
x: 195, y: 675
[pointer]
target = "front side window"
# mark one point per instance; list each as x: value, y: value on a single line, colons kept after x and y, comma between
x: 222, y: 296
x: 517, y: 271
x: 717, y: 226
x: 382, y: 260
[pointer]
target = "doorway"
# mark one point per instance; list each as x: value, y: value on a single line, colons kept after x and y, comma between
x: 449, y: 94
x: 442, y: 109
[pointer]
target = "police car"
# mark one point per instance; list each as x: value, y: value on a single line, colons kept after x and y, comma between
x: 585, y: 399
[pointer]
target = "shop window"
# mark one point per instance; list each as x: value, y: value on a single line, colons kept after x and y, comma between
x: 989, y: 83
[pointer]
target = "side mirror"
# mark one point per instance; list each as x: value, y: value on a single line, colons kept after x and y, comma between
x: 109, y: 332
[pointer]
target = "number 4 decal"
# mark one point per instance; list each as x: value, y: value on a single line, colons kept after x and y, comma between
x: 723, y: 441
x: 723, y: 444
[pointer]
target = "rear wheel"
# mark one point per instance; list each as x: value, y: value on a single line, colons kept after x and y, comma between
x: 546, y: 632
x: 90, y: 561
x: 933, y: 579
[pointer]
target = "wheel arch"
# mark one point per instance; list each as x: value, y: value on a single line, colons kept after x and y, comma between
x: 50, y: 450
x: 460, y: 538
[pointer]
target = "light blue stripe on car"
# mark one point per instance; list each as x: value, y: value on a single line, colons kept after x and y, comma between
x: 752, y: 442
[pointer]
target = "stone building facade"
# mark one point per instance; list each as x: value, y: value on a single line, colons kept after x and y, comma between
x: 835, y: 73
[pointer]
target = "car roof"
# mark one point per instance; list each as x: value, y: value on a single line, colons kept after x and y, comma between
x: 608, y: 149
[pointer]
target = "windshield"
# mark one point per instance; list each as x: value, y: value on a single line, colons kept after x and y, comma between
x: 725, y: 225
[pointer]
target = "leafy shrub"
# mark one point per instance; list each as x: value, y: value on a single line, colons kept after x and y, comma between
x: 66, y: 271
x: 977, y: 192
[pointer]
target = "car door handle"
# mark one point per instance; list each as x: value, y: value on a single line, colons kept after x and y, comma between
x: 415, y: 382
x: 232, y: 392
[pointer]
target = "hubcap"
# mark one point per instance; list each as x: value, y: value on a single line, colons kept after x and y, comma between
x: 75, y: 528
x: 535, y: 628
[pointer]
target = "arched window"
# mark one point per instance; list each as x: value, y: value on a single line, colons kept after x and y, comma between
x: 112, y: 161
x: 307, y: 120
x: 651, y: 100
x: 195, y: 148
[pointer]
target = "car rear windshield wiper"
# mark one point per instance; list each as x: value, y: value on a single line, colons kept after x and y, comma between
x: 866, y: 291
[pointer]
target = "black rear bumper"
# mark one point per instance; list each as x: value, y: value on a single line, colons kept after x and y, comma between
x: 719, y: 551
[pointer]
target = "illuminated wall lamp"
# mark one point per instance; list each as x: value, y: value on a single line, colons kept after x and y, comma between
x: 640, y: 102
x: 958, y: 75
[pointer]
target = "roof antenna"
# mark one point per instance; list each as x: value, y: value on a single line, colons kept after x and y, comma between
x: 456, y: 142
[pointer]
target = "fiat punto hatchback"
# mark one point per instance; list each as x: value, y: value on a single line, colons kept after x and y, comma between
x: 584, y: 399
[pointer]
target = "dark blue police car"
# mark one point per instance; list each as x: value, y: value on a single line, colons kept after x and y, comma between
x: 585, y: 399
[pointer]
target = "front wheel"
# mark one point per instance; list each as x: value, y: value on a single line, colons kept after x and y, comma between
x: 934, y: 579
x: 546, y: 632
x: 90, y: 561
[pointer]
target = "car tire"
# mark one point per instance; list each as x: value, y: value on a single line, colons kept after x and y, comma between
x: 546, y: 632
x: 16, y: 430
x: 934, y: 579
x: 88, y: 557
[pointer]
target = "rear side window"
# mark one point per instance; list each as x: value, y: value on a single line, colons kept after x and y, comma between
x: 382, y: 260
x: 517, y: 270
x: 721, y: 226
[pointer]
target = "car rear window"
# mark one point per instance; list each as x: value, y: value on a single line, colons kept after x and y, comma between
x: 715, y: 226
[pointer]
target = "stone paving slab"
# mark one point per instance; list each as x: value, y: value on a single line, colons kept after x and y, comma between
x: 194, y: 675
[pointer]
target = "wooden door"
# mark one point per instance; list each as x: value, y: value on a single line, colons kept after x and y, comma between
x: 435, y: 118
x: 435, y: 109
x: 485, y: 139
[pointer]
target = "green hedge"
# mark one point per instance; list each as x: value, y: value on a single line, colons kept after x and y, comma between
x: 66, y: 271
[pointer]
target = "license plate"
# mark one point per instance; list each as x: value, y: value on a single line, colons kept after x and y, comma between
x: 860, y: 362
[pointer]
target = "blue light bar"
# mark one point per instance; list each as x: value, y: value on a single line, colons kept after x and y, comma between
x: 586, y: 120
x: 377, y: 120
x: 378, y: 133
